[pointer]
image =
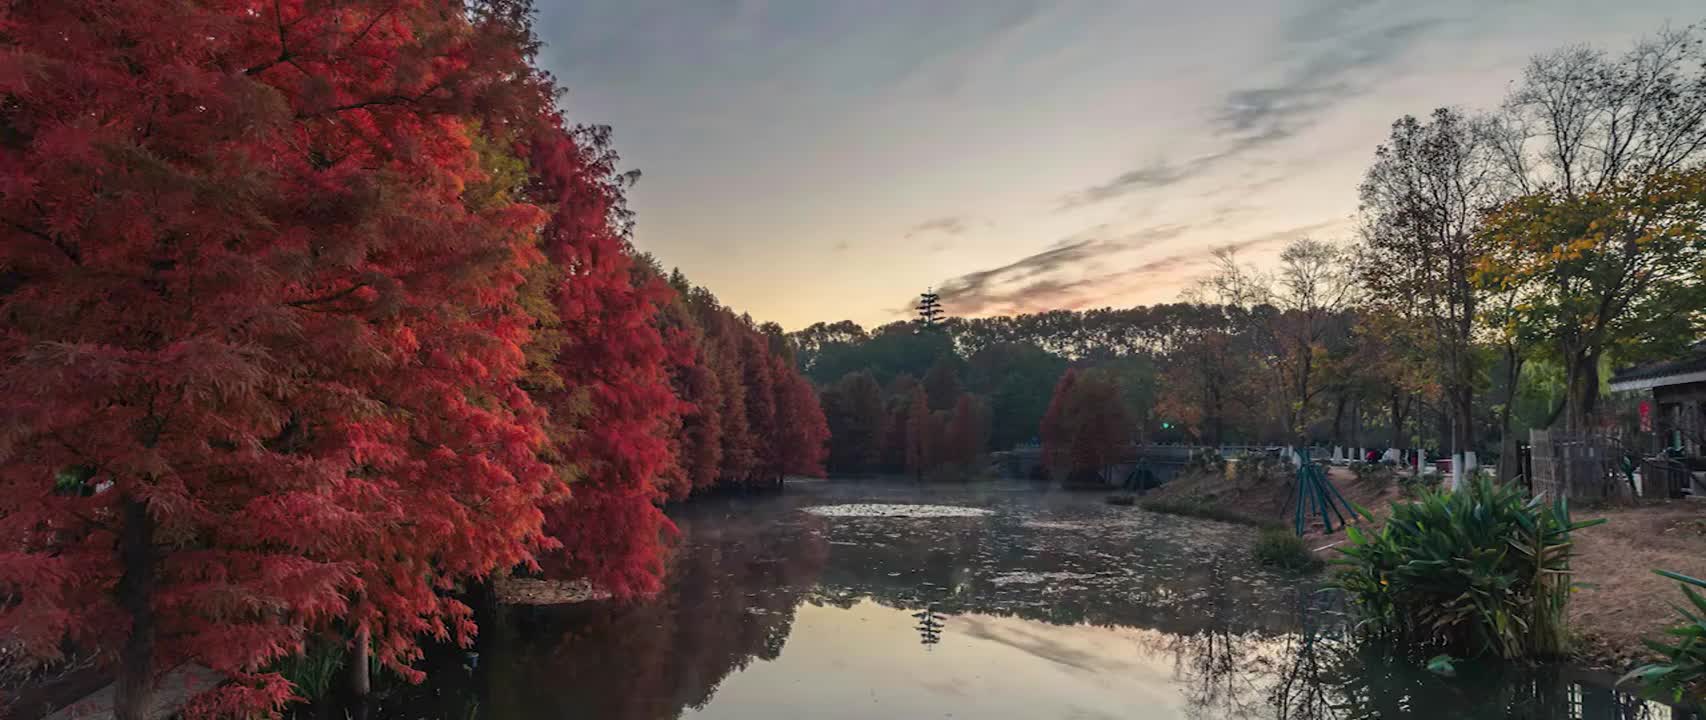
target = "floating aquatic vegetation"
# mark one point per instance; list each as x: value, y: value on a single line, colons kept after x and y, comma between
x: 887, y: 510
x: 1037, y: 577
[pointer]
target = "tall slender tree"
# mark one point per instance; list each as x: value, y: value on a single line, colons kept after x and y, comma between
x: 261, y: 305
x: 929, y: 309
x: 1422, y: 202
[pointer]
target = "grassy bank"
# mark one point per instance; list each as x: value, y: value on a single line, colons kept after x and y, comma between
x: 1621, y: 602
x: 1207, y: 508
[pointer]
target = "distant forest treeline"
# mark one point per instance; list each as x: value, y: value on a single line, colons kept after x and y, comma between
x: 1503, y: 260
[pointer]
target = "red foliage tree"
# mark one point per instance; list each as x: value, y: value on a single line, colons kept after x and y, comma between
x: 753, y: 417
x: 297, y: 302
x: 699, y: 384
x: 612, y: 414
x: 724, y: 341
x: 1087, y: 425
x: 759, y: 386
x: 702, y: 449
x: 260, y: 330
x: 698, y: 437
x: 803, y: 433
x: 1054, y: 431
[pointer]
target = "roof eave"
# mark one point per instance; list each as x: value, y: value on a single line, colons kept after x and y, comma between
x: 1649, y: 383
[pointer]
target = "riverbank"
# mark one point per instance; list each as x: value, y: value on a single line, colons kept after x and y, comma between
x: 1620, y: 603
x: 1264, y: 502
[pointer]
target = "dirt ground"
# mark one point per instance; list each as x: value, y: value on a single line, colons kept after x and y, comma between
x: 1625, y: 600
x: 1621, y: 600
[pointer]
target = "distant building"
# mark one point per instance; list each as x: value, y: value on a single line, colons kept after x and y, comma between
x: 1675, y: 409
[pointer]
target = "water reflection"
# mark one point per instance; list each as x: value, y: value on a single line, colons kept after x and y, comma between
x: 929, y: 626
x: 1050, y: 606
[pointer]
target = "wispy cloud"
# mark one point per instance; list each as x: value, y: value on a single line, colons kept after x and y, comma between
x: 1047, y: 276
x: 1071, y: 274
x: 1155, y: 174
x: 1334, y: 73
x: 1341, y: 49
x: 946, y: 225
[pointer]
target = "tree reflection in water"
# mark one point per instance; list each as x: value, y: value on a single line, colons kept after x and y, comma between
x: 1240, y: 642
x: 929, y: 626
x: 1221, y: 670
x: 731, y: 599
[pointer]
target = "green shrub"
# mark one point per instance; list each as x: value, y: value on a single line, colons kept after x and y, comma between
x: 1278, y: 547
x: 1480, y: 571
x: 1682, y: 674
x: 1414, y: 485
x: 315, y: 671
x: 1374, y: 473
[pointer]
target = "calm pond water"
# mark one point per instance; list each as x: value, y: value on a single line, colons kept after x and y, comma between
x: 1011, y: 602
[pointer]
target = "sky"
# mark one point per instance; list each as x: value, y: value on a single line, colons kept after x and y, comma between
x: 821, y: 160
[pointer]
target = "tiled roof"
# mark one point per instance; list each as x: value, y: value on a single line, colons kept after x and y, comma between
x: 1692, y: 362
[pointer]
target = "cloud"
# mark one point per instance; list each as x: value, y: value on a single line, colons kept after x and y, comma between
x: 1047, y: 274
x: 1334, y: 73
x: 947, y: 225
x: 1156, y: 174
x: 1070, y: 274
x: 1340, y: 49
x: 1280, y: 236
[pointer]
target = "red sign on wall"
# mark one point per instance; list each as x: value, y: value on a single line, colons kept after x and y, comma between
x: 1646, y: 416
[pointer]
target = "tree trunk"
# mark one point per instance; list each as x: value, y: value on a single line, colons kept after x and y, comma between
x: 1356, y: 422
x: 133, y: 690
x: 1399, y: 413
x: 1463, y: 422
x: 1444, y: 414
x: 1582, y: 395
x: 1510, y: 463
x: 360, y: 684
x: 1339, y: 421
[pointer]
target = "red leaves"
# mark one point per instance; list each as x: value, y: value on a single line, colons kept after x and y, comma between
x: 272, y: 274
x: 288, y: 337
x: 1087, y: 424
x: 615, y: 409
x: 803, y: 433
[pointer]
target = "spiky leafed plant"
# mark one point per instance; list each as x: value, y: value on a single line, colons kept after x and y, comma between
x: 1681, y: 675
x: 1480, y: 571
